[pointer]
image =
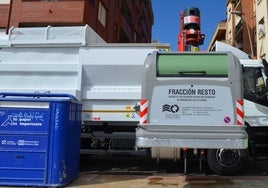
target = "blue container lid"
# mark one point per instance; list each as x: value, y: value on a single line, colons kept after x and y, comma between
x: 38, y: 97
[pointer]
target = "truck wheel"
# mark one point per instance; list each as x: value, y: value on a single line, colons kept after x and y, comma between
x: 227, y: 161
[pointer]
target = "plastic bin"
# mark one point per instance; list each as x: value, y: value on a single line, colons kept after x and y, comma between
x: 39, y: 139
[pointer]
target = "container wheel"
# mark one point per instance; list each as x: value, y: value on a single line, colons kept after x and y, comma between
x: 227, y: 161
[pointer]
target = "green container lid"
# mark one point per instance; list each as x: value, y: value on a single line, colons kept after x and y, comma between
x: 192, y: 64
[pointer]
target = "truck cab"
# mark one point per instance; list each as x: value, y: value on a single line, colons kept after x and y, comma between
x: 256, y: 106
x: 255, y: 90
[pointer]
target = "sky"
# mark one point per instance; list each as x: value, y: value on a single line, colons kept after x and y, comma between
x: 166, y: 19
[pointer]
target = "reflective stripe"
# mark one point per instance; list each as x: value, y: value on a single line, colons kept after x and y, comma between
x: 143, y: 111
x: 240, y: 112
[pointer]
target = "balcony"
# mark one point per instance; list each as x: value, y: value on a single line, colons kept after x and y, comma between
x: 238, y: 27
x: 234, y: 1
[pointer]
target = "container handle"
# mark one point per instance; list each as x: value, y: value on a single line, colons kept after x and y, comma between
x: 37, y: 95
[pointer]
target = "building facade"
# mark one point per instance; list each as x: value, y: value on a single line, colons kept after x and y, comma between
x: 241, y: 24
x: 261, y: 28
x: 120, y: 21
x: 246, y: 26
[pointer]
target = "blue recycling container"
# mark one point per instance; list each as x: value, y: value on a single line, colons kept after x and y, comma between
x: 39, y: 139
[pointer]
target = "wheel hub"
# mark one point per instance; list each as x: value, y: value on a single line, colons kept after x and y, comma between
x: 228, y: 157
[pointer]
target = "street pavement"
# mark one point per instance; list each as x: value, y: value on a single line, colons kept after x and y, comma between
x: 171, y: 180
x: 142, y: 173
x: 134, y: 172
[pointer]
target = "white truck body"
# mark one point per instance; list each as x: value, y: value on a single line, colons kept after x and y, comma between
x: 67, y: 60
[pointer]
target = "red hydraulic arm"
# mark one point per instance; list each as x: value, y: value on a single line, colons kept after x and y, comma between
x: 190, y: 37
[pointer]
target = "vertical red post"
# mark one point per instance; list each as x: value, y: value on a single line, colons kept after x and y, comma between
x: 181, y: 37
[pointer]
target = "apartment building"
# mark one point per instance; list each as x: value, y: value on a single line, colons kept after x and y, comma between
x: 246, y: 26
x: 115, y: 21
x: 241, y: 24
x: 219, y: 35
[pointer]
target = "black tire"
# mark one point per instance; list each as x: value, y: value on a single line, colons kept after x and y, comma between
x: 227, y: 161
x: 85, y: 157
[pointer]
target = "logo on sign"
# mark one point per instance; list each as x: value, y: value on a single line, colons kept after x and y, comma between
x: 3, y: 142
x: 170, y: 108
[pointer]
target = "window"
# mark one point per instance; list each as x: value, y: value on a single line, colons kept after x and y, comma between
x: 229, y: 14
x: 263, y: 56
x: 92, y: 2
x: 259, y: 1
x: 49, y: 0
x: 261, y: 28
x: 102, y: 14
x: 229, y: 37
x: 135, y: 36
x: 254, y: 85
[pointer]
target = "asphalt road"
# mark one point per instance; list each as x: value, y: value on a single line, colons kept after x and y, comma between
x: 142, y: 172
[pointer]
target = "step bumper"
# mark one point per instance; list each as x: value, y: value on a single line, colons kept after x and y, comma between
x: 191, y: 136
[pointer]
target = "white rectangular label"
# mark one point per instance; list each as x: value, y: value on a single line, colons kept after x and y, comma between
x: 188, y: 105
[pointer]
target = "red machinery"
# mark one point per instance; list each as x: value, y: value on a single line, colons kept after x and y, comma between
x: 190, y: 36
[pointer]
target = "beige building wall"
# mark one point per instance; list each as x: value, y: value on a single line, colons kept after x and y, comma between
x: 4, y: 1
x: 229, y: 25
x: 261, y: 29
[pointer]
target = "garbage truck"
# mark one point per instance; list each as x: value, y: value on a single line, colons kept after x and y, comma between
x: 136, y: 98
